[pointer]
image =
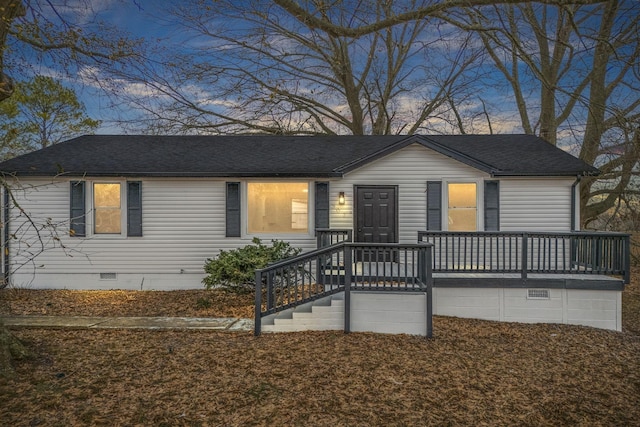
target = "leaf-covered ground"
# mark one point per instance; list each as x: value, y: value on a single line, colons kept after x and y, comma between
x: 191, y: 303
x: 472, y: 373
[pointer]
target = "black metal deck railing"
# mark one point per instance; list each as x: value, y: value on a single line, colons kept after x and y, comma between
x: 343, y: 266
x: 530, y: 252
x: 330, y: 236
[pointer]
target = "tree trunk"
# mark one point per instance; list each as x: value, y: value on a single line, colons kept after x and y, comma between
x: 9, y: 10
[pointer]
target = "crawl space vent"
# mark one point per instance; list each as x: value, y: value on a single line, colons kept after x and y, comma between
x: 108, y: 276
x: 538, y: 294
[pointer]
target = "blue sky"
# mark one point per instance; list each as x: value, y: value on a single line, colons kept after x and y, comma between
x: 139, y: 19
x: 142, y: 19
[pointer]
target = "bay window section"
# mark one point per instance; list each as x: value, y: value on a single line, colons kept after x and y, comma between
x: 277, y: 207
x: 462, y: 207
x: 107, y: 206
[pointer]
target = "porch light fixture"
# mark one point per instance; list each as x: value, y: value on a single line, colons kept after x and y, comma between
x: 341, y: 198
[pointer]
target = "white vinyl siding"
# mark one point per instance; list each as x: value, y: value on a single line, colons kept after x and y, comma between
x: 530, y: 204
x: 526, y: 204
x: 409, y: 169
x: 183, y: 219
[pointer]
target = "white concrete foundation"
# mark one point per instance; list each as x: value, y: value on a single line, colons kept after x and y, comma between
x: 597, y: 308
x: 126, y: 281
x: 389, y: 312
x: 405, y: 313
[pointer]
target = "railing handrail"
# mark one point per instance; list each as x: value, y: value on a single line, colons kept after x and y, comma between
x: 581, y: 252
x: 334, y: 230
x: 324, y: 251
x: 302, y: 257
x: 530, y: 233
x: 332, y: 266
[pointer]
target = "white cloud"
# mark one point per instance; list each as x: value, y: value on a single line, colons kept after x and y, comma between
x: 80, y: 12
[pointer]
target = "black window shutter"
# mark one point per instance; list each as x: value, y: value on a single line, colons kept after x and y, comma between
x: 492, y: 205
x: 434, y: 205
x: 77, y: 223
x: 322, y: 205
x: 233, y: 209
x: 134, y: 208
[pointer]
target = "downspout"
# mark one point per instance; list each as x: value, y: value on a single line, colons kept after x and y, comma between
x: 573, y: 202
x: 5, y: 235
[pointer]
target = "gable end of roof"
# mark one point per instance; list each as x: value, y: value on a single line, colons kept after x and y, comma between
x: 358, y: 163
x: 457, y: 155
x: 423, y: 140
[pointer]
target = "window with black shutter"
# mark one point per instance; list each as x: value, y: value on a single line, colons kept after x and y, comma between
x: 434, y: 205
x: 233, y: 209
x: 492, y: 205
x: 134, y: 208
x: 77, y: 215
x: 322, y: 205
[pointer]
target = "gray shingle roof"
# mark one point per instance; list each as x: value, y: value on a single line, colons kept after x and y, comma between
x: 285, y: 156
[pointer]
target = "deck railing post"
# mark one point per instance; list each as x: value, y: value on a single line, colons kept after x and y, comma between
x: 258, y: 304
x: 596, y: 268
x: 348, y: 265
x: 573, y: 249
x: 525, y: 256
x: 627, y: 259
x: 426, y: 277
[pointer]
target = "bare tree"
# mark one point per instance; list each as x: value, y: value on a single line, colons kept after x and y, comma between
x: 253, y: 68
x: 571, y: 72
x: 67, y: 36
x: 311, y: 13
x: 42, y: 29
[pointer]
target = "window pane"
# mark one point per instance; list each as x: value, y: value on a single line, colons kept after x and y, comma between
x: 462, y: 220
x: 106, y: 204
x: 278, y: 207
x: 108, y: 221
x: 462, y: 195
x: 462, y: 207
x: 107, y: 195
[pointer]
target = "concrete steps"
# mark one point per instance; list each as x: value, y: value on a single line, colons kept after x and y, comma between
x: 320, y: 315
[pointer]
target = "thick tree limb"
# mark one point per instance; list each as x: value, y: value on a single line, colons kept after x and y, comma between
x: 311, y: 20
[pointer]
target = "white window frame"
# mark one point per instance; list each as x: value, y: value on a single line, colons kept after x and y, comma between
x: 92, y: 211
x: 270, y: 235
x: 479, y: 199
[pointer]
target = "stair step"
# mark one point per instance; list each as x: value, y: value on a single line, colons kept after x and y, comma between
x: 282, y: 322
x: 323, y: 314
x: 286, y: 314
x: 304, y: 308
x: 316, y: 326
x: 322, y: 302
x: 303, y: 315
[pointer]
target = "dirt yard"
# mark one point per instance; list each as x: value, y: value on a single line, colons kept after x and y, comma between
x: 472, y: 373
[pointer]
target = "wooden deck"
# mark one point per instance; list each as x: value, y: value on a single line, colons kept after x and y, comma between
x: 389, y: 270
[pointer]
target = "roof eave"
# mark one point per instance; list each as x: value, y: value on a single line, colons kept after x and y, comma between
x: 538, y: 174
x: 177, y: 174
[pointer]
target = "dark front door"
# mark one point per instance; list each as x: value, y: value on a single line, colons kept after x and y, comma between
x: 376, y: 214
